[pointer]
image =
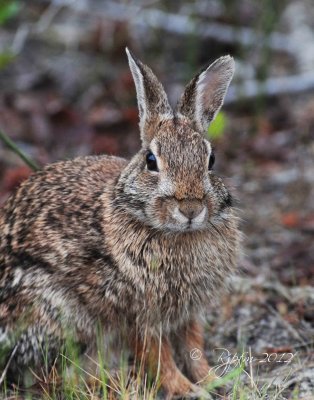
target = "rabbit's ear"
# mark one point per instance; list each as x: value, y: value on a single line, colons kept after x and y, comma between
x: 204, y: 95
x: 151, y: 97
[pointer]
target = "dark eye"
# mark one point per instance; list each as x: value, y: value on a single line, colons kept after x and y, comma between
x: 151, y: 162
x: 211, y: 161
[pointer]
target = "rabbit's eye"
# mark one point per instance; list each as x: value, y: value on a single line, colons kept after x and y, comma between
x: 151, y: 162
x: 211, y: 161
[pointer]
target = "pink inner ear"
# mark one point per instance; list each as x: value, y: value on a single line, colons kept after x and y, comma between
x: 212, y: 87
x: 204, y: 95
x: 209, y: 86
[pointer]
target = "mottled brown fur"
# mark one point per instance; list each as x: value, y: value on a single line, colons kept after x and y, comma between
x: 103, y: 240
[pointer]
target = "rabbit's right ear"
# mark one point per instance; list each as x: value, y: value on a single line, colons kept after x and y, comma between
x: 151, y: 97
x: 204, y: 95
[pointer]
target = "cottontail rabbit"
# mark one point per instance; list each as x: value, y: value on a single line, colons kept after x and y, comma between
x: 140, y: 246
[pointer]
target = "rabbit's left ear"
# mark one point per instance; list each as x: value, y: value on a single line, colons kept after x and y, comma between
x: 205, y: 94
x: 151, y: 97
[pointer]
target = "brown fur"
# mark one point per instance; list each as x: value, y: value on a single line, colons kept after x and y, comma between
x: 101, y: 239
x: 156, y: 356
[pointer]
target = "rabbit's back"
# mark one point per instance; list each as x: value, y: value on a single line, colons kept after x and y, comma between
x: 57, y: 204
x: 51, y: 225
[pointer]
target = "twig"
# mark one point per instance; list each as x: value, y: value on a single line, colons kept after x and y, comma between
x: 90, y: 375
x: 307, y: 374
x: 271, y: 87
x: 13, y: 147
x: 289, y: 327
x: 4, y: 372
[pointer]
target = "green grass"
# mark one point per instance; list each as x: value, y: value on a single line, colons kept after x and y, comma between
x: 72, y: 381
x: 13, y: 147
x: 217, y: 127
x: 8, y: 10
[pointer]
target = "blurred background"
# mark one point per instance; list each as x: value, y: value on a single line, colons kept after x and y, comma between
x: 66, y: 91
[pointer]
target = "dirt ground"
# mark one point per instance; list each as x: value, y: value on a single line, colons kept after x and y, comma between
x: 61, y: 100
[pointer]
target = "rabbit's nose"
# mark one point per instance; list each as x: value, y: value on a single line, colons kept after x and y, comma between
x: 191, y: 209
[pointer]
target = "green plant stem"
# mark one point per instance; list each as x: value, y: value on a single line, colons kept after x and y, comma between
x: 13, y: 147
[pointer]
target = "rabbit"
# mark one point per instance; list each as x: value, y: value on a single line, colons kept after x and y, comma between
x: 140, y: 247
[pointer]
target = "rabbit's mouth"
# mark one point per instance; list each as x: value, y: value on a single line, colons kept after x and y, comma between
x: 178, y: 215
x: 187, y: 221
x: 190, y: 219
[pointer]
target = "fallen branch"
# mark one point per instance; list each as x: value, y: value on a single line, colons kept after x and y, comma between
x: 292, y: 84
x: 185, y: 25
x: 4, y: 372
x: 13, y: 147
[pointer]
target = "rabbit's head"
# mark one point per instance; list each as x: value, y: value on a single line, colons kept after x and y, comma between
x: 169, y: 184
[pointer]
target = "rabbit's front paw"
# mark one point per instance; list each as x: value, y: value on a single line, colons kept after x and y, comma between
x: 195, y: 392
x: 178, y: 386
x: 202, y: 374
